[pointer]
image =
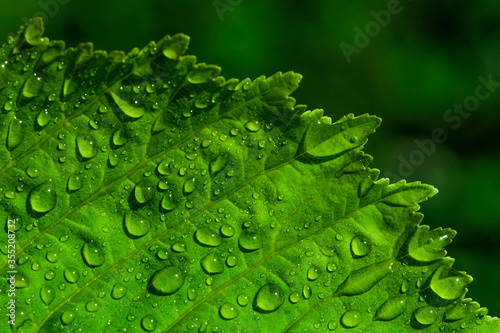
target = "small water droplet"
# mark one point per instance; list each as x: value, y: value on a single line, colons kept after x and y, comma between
x: 148, y: 323
x: 47, y: 294
x: 294, y: 297
x: 75, y: 183
x: 449, y: 285
x: 391, y: 309
x: 119, y: 138
x: 191, y: 294
x: 227, y: 230
x: 52, y: 257
x: 129, y: 110
x: 426, y: 315
x: 306, y: 291
x: 313, y: 273
x: 166, y: 281
x: 136, y: 226
x: 212, y: 264
x: 68, y: 317
x: 143, y: 192
x: 243, y: 300
x: 113, y: 159
x: 15, y: 134
x: 351, y: 318
x: 92, y: 306
x: 179, y: 247
x: 250, y: 241
x: 86, y: 146
x: 360, y: 246
x: 42, y: 198
x: 229, y: 311
x: 49, y: 275
x: 269, y: 298
x: 189, y: 186
x: 43, y: 118
x: 118, y: 291
x: 252, y: 126
x: 207, y: 237
x: 92, y: 254
x: 71, y: 275
x: 231, y: 260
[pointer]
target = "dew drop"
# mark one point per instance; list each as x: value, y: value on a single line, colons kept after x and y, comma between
x: 250, y: 241
x: 143, y: 192
x: 231, y: 260
x: 191, y: 294
x: 168, y: 203
x: 49, y: 275
x: 331, y: 267
x: 71, y: 275
x: 351, y: 318
x: 179, y: 247
x: 269, y: 298
x: 47, y: 294
x: 32, y: 172
x: 42, y: 198
x: 92, y: 254
x: 391, y: 309
x: 207, y: 237
x: 119, y: 138
x: 447, y: 285
x: 166, y: 281
x: 212, y: 264
x: 43, y: 118
x: 306, y: 291
x: 131, y: 111
x: 252, y: 126
x: 68, y: 317
x: 189, y: 186
x: 243, y: 300
x: 226, y: 230
x: 148, y: 323
x: 426, y: 315
x: 92, y: 306
x: 113, y: 159
x: 86, y: 146
x: 360, y: 246
x: 228, y: 311
x: 118, y: 291
x: 136, y: 226
x: 461, y: 310
x: 294, y: 297
x: 74, y: 183
x: 15, y: 134
x: 313, y: 273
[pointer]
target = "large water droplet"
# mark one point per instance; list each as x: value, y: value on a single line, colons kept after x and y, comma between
x: 391, y: 309
x: 168, y: 202
x: 148, y: 323
x: 15, y: 134
x: 166, y: 281
x: 313, y: 273
x: 364, y: 279
x: 68, y: 317
x: 428, y: 245
x: 47, y: 294
x: 92, y: 306
x: 71, y: 275
x: 52, y: 256
x: 250, y: 241
x: 75, y: 183
x: 143, y: 192
x: 243, y: 300
x: 179, y: 247
x: 306, y: 291
x: 32, y: 86
x: 136, y: 226
x: 449, y: 285
x: 269, y: 298
x: 252, y: 126
x: 43, y: 118
x: 229, y: 311
x: 92, y: 254
x: 131, y: 111
x: 212, y: 264
x: 227, y: 230
x: 426, y: 315
x: 118, y: 291
x: 119, y: 138
x: 360, y: 246
x: 86, y: 146
x: 207, y: 237
x: 189, y: 186
x: 113, y: 159
x: 351, y: 318
x: 42, y: 198
x: 294, y: 297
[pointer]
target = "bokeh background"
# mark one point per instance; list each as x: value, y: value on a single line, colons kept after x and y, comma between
x: 427, y: 58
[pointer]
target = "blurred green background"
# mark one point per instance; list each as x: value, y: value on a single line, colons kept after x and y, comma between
x: 411, y: 72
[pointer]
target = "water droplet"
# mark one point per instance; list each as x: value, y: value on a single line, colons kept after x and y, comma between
x: 269, y: 298
x: 32, y: 172
x: 129, y: 110
x: 206, y: 143
x: 250, y: 241
x: 136, y: 226
x: 148, y: 323
x: 339, y: 237
x: 207, y: 237
x: 228, y: 311
x: 449, y: 285
x: 143, y: 192
x: 113, y: 159
x: 166, y: 281
x: 42, y: 198
x: 231, y: 260
x: 391, y: 309
x: 47, y: 294
x: 243, y: 300
x: 35, y: 266
x: 332, y: 325
x: 212, y: 264
x: 191, y: 294
x: 86, y: 146
x: 92, y: 306
x: 426, y: 315
x: 363, y: 279
x: 119, y: 138
x: 294, y: 297
x: 189, y: 186
x: 75, y: 183
x: 71, y: 275
x: 179, y: 247
x: 43, y: 118
x: 15, y: 134
x: 360, y: 246
x: 217, y: 165
x: 461, y: 310
x: 306, y: 291
x: 428, y: 245
x: 226, y: 230
x: 313, y: 273
x: 68, y: 317
x: 92, y: 254
x: 167, y: 202
x: 9, y: 105
x: 331, y: 267
x: 49, y: 275
x: 118, y: 291
x: 252, y: 126
x: 351, y: 318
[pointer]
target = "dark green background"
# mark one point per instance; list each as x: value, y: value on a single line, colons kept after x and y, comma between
x: 424, y: 61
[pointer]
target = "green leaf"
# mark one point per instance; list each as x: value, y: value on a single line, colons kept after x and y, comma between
x: 144, y: 192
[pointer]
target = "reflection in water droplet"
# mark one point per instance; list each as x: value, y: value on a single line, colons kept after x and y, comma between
x: 313, y: 273
x: 136, y: 226
x: 228, y: 311
x: 166, y: 281
x: 269, y: 298
x: 212, y: 264
x: 426, y: 315
x: 250, y: 241
x: 68, y: 317
x: 148, y: 323
x: 391, y: 309
x: 360, y: 246
x: 47, y: 294
x: 42, y: 198
x: 207, y: 237
x: 86, y: 146
x: 351, y: 318
x: 92, y: 306
x: 92, y: 254
x: 118, y: 291
x: 71, y: 275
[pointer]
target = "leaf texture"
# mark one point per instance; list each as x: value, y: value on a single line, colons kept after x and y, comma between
x: 144, y: 192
